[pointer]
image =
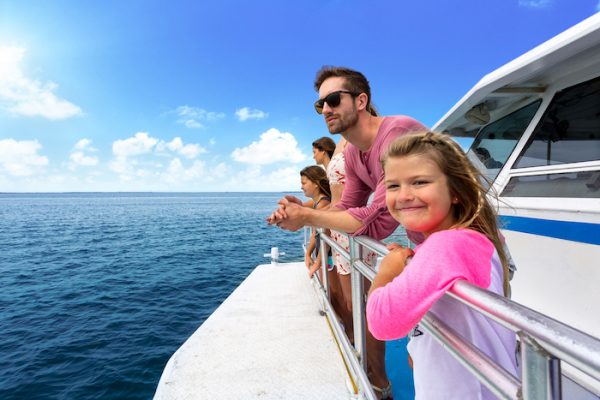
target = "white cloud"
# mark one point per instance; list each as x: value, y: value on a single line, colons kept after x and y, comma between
x: 135, y: 159
x: 191, y: 116
x: 141, y: 143
x: 84, y: 144
x: 123, y: 149
x: 191, y: 150
x: 219, y: 171
x: 176, y: 145
x: 21, y: 158
x: 24, y: 96
x: 535, y: 3
x: 273, y: 146
x: 255, y: 178
x: 79, y: 158
x: 122, y: 166
x: 176, y: 172
x: 246, y: 113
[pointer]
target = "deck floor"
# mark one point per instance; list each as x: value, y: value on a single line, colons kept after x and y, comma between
x: 267, y: 340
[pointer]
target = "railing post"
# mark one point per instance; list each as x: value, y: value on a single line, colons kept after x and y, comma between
x: 323, y: 251
x: 358, y: 305
x: 540, y: 375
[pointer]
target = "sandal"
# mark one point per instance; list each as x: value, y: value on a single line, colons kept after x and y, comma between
x: 385, y: 393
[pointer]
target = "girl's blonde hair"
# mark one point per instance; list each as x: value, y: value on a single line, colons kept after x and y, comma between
x: 473, y: 209
x: 318, y: 176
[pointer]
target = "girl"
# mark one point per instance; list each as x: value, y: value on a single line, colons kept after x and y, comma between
x: 316, y: 187
x: 432, y: 188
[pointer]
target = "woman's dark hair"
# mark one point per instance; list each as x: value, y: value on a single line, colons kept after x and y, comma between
x: 318, y: 176
x: 325, y: 144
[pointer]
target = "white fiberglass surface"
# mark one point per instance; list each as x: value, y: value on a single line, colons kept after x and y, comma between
x: 558, y: 278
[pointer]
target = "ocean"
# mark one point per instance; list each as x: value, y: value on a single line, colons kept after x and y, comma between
x: 99, y: 289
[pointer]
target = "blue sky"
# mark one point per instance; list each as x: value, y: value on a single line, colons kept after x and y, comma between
x: 217, y: 96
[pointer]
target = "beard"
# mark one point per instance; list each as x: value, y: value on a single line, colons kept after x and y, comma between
x: 344, y: 122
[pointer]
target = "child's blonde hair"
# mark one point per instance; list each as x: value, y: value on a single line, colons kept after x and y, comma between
x: 473, y: 209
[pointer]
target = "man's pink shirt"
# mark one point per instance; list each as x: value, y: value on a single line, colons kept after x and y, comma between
x: 364, y: 175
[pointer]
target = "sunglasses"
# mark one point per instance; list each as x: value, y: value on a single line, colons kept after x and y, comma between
x: 333, y: 99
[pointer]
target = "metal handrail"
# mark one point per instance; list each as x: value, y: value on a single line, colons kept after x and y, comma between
x: 544, y: 341
x: 348, y: 353
x: 351, y: 356
x: 567, y: 343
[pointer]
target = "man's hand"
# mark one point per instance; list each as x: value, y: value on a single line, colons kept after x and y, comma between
x: 289, y: 215
x: 280, y: 214
x: 293, y: 199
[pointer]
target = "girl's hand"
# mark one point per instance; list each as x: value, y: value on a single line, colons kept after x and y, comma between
x: 393, y: 264
x: 314, y: 268
x: 307, y: 260
x: 393, y: 246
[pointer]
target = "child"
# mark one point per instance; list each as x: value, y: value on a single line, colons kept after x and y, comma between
x: 432, y: 188
x: 316, y: 187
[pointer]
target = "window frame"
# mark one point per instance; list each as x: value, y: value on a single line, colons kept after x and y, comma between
x: 583, y: 209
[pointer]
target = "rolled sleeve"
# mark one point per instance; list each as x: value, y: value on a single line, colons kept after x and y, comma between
x: 375, y: 217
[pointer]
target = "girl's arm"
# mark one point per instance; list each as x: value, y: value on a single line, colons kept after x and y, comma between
x: 323, y: 204
x: 399, y: 301
x: 315, y: 266
x: 309, y: 250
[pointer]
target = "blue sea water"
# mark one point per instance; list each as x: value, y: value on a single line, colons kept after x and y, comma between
x: 99, y: 289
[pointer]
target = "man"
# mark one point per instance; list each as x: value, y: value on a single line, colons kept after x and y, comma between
x: 345, y: 102
x: 348, y: 112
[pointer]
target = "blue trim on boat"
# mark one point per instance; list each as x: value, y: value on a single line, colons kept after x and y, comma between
x: 574, y: 231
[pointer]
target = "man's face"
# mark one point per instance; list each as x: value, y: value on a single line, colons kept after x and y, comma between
x: 345, y: 115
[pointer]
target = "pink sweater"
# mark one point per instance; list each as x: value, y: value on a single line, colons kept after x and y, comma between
x: 445, y: 257
x: 364, y: 176
x: 396, y: 309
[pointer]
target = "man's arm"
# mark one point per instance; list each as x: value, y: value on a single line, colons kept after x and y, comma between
x: 294, y: 217
x: 375, y: 219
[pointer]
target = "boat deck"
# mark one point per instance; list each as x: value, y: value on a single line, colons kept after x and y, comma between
x: 267, y: 340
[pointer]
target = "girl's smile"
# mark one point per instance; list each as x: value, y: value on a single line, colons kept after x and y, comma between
x: 417, y: 194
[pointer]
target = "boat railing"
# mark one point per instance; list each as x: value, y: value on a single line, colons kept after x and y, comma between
x: 544, y: 342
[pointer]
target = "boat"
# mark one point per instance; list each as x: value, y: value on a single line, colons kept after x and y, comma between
x: 534, y: 127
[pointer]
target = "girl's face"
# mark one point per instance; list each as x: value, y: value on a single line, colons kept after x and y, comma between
x: 309, y: 188
x: 318, y: 155
x: 417, y: 194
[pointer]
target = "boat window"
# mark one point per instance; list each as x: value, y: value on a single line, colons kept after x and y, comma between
x: 496, y: 141
x: 569, y: 131
x: 575, y: 185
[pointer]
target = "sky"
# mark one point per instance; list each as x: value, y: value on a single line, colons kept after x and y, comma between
x: 201, y: 96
